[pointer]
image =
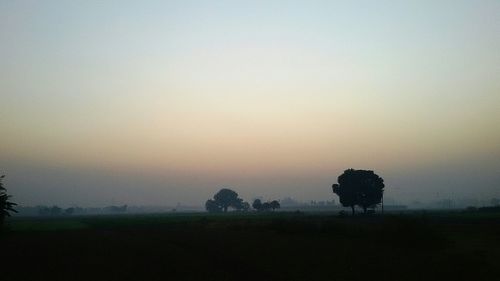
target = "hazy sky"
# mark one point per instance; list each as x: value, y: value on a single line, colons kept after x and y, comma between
x: 159, y: 102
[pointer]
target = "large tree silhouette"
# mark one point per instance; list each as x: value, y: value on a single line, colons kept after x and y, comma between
x: 224, y: 199
x: 5, y: 205
x: 359, y: 187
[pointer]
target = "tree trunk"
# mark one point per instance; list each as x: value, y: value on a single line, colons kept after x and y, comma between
x: 364, y: 209
x: 225, y: 209
x: 352, y: 208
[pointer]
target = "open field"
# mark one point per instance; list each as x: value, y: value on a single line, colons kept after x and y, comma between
x: 275, y: 246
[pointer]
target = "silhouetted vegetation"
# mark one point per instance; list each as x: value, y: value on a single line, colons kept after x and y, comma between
x: 212, y: 206
x: 224, y: 199
x: 6, y: 206
x: 50, y: 211
x: 491, y: 209
x: 116, y: 209
x: 359, y: 187
x: 259, y: 206
x: 69, y: 211
x: 274, y: 205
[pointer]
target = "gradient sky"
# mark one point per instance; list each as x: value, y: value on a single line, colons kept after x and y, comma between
x: 159, y: 102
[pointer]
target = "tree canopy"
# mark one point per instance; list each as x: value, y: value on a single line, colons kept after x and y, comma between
x: 257, y: 204
x: 363, y: 188
x: 275, y: 204
x: 224, y: 199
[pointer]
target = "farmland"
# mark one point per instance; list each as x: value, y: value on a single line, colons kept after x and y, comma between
x: 254, y: 246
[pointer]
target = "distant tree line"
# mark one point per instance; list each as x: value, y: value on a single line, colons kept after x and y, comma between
x: 54, y: 211
x: 489, y: 209
x: 58, y: 211
x: 266, y: 206
x: 226, y: 198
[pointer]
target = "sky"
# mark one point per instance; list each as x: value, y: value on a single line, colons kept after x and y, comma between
x: 166, y: 102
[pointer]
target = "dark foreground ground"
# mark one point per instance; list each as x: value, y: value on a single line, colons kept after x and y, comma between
x: 280, y: 246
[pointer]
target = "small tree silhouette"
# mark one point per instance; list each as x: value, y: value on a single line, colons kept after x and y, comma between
x: 5, y: 205
x: 257, y: 204
x: 275, y: 204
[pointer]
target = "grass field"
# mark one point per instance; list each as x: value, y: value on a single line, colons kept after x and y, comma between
x: 275, y: 246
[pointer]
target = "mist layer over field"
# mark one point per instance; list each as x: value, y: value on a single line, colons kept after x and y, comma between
x: 160, y: 102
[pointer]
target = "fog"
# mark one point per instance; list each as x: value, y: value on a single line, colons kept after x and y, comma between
x: 66, y: 186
